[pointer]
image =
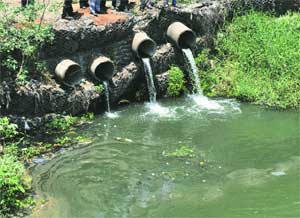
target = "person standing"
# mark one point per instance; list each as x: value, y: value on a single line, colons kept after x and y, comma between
x: 147, y: 4
x: 103, y: 5
x: 83, y: 4
x: 26, y: 2
x: 94, y: 7
x: 67, y: 10
x: 166, y: 3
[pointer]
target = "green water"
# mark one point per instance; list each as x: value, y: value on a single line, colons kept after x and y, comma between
x: 245, y: 164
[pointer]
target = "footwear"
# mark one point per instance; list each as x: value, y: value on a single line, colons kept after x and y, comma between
x: 94, y: 13
x: 67, y: 17
x: 83, y: 7
x: 101, y: 12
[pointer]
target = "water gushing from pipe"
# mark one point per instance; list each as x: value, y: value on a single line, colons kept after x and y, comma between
x: 145, y: 48
x: 106, y: 93
x: 193, y: 70
x: 150, y: 81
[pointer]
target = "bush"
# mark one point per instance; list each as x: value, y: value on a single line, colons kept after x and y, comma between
x: 62, y: 123
x: 7, y: 129
x: 175, y: 81
x: 13, y: 185
x: 257, y: 60
x: 21, y: 40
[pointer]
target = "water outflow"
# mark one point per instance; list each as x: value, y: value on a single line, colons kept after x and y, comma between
x: 145, y: 48
x: 193, y: 69
x: 106, y: 93
x: 149, y: 78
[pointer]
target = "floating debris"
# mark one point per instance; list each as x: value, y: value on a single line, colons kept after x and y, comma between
x: 278, y: 173
x: 123, y: 139
x: 38, y: 160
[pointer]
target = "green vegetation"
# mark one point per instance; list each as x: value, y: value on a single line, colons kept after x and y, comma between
x: 257, y: 60
x: 21, y: 40
x: 60, y: 124
x: 99, y: 88
x: 17, y: 147
x: 7, y: 129
x: 14, y: 184
x: 175, y: 81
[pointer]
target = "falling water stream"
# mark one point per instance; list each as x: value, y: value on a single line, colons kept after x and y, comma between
x: 193, y: 69
x: 150, y: 81
x: 106, y: 92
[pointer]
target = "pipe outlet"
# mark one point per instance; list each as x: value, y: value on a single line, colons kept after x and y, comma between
x: 102, y: 68
x: 183, y: 36
x: 143, y: 45
x: 68, y: 72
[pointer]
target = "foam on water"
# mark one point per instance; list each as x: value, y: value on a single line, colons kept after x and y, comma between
x: 278, y: 173
x: 157, y: 109
x: 206, y: 103
x: 112, y: 115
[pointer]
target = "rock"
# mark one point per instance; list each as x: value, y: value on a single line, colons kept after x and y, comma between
x: 162, y: 84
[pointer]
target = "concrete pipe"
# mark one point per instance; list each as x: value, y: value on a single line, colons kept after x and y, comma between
x: 143, y: 45
x: 102, y: 68
x: 69, y: 72
x: 183, y: 36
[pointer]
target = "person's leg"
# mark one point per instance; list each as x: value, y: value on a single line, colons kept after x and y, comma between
x: 93, y: 4
x: 99, y: 8
x: 68, y: 9
x: 103, y: 4
x: 24, y: 3
x: 82, y: 3
x: 143, y: 4
x: 174, y: 3
x: 114, y: 3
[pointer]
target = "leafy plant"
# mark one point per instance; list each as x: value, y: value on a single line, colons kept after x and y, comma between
x: 62, y: 123
x: 87, y: 117
x: 257, y: 60
x: 175, y: 81
x: 13, y: 184
x: 99, y: 88
x: 7, y: 129
x: 21, y: 40
x: 63, y: 140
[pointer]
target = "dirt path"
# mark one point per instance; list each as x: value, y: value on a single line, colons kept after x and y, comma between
x: 54, y: 10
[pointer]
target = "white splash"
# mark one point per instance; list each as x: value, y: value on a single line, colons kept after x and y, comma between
x: 112, y: 115
x: 278, y: 173
x: 205, y: 103
x: 157, y: 109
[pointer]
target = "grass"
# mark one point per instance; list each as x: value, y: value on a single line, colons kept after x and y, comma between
x: 256, y: 60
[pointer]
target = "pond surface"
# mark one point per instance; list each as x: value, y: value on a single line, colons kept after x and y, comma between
x: 243, y: 162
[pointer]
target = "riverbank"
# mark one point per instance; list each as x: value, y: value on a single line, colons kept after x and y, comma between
x: 21, y: 148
